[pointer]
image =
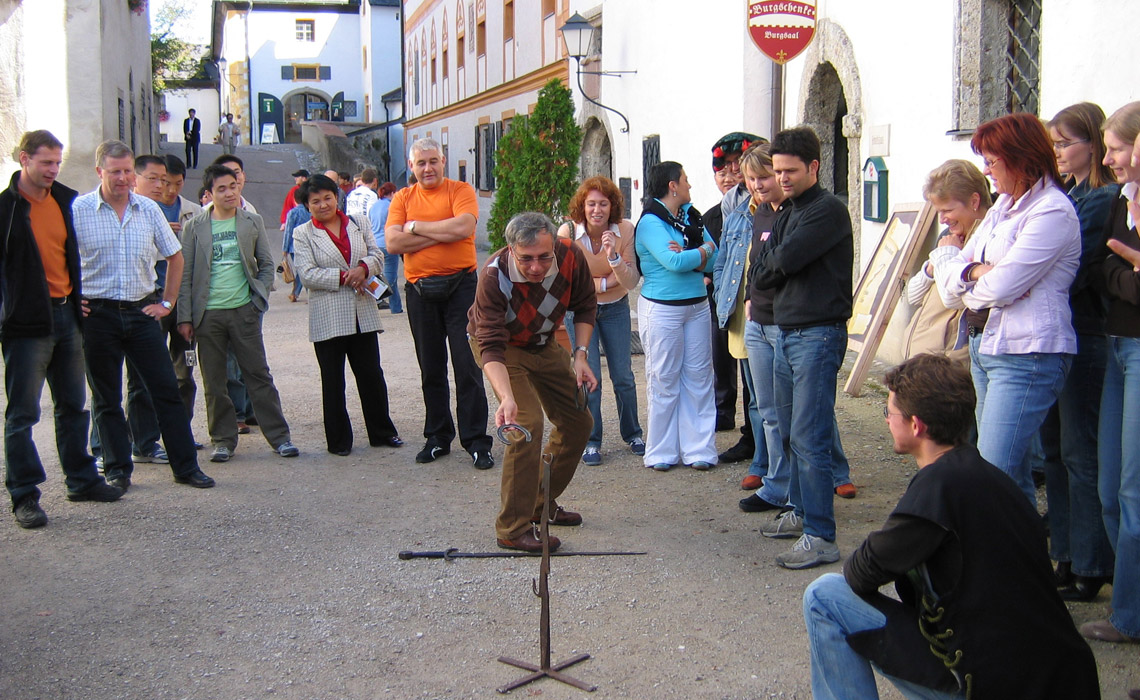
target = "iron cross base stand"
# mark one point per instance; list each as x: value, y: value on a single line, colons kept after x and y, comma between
x: 542, y: 590
x: 547, y: 672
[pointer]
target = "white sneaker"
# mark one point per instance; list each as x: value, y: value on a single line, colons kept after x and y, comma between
x: 809, y: 551
x: 784, y: 526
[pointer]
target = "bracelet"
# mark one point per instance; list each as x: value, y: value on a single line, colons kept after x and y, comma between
x: 969, y: 269
x: 603, y: 285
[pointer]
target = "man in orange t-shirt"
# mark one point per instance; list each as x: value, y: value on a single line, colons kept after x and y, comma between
x: 39, y: 331
x: 432, y: 223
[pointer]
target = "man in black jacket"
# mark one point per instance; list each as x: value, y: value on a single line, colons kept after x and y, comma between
x: 39, y: 331
x: 192, y: 131
x: 808, y: 261
x: 980, y: 615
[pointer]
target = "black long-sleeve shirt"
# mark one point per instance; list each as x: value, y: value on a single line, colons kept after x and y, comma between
x: 808, y: 260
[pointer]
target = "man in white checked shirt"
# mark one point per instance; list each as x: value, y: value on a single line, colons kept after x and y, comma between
x: 121, y: 235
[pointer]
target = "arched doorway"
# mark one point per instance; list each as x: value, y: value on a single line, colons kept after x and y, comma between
x: 597, y: 153
x: 303, y: 106
x: 831, y: 103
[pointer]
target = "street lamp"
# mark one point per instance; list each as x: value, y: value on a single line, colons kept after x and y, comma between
x: 577, y: 37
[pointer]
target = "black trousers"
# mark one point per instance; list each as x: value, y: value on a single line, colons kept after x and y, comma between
x: 436, y: 328
x: 192, y: 152
x: 363, y: 353
x: 111, y: 333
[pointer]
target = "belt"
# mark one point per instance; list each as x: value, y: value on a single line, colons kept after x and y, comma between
x: 974, y: 330
x: 117, y: 304
x: 58, y: 301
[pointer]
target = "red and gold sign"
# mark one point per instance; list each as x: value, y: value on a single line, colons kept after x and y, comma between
x: 781, y: 29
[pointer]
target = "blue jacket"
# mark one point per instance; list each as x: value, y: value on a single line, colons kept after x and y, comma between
x: 733, y: 255
x: 669, y: 276
x: 297, y: 215
x: 1089, y: 307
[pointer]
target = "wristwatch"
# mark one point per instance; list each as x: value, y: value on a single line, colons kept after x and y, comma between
x: 412, y: 227
x: 166, y: 305
x: 585, y: 350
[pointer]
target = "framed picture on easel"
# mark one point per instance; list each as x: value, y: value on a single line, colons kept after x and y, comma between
x: 881, y: 285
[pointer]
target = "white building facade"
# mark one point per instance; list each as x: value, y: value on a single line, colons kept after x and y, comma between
x: 285, y: 63
x: 80, y: 69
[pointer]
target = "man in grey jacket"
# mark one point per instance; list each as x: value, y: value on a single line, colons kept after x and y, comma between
x: 225, y: 291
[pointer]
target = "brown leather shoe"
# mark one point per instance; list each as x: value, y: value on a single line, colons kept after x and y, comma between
x: 751, y: 482
x: 529, y: 542
x: 846, y: 490
x: 567, y: 518
x: 243, y: 428
x: 1104, y: 631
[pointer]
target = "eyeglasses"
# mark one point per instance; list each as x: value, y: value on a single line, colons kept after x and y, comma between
x: 989, y: 163
x: 887, y: 412
x: 1062, y: 145
x: 528, y: 259
x: 156, y: 178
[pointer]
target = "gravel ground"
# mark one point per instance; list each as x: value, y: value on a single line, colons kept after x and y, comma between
x: 284, y: 581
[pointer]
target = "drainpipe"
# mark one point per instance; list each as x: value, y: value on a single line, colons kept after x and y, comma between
x: 777, y: 97
x: 249, y: 71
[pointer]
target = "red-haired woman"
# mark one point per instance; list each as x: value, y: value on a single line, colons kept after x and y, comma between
x: 597, y: 226
x: 1013, y: 277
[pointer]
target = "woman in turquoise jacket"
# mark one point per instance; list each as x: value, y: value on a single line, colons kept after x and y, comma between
x: 674, y: 251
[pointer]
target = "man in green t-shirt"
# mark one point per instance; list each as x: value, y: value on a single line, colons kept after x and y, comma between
x: 225, y: 291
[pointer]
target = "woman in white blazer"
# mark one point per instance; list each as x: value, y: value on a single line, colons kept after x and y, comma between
x: 335, y: 256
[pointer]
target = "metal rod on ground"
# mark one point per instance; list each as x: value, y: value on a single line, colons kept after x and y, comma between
x: 543, y: 592
x: 453, y: 553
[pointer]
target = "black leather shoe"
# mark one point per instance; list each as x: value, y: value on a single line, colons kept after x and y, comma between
x: 100, y: 491
x: 341, y: 453
x: 742, y: 450
x: 1083, y: 588
x: 431, y: 452
x: 393, y: 441
x: 1063, y: 574
x: 755, y: 504
x: 196, y: 478
x: 123, y: 483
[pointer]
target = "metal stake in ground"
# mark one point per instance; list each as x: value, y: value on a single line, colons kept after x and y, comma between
x: 543, y: 592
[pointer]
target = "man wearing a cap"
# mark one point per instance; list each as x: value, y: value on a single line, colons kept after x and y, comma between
x: 726, y: 169
x: 298, y: 177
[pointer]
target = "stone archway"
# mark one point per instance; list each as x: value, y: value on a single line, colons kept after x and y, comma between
x: 597, y: 152
x: 298, y: 108
x: 831, y: 103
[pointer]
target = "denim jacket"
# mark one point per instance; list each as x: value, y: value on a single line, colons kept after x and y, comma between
x: 733, y: 255
x: 1034, y: 244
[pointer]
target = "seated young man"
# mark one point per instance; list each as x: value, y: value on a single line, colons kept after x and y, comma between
x: 980, y: 615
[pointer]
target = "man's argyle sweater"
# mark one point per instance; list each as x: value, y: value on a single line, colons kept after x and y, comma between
x: 525, y: 314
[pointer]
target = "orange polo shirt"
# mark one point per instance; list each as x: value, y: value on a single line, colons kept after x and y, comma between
x: 51, y: 234
x: 447, y: 201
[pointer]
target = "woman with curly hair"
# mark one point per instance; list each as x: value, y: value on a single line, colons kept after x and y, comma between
x: 597, y: 227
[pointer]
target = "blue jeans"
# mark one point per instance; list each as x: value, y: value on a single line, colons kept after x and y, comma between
x: 110, y: 334
x: 235, y: 387
x: 391, y: 272
x: 760, y: 341
x: 1120, y: 478
x: 296, y: 278
x: 58, y: 358
x: 832, y: 611
x: 759, y: 465
x: 1069, y: 439
x: 612, y: 329
x: 807, y: 365
x: 1014, y: 394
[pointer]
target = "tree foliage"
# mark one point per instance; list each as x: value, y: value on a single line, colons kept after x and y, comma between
x: 173, y: 58
x: 536, y: 162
